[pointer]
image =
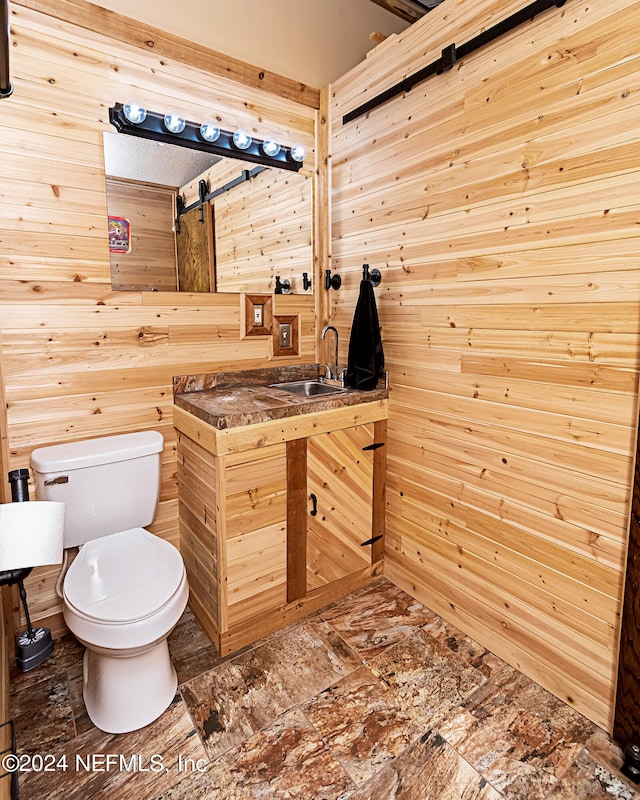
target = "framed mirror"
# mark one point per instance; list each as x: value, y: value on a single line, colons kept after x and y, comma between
x: 184, y: 220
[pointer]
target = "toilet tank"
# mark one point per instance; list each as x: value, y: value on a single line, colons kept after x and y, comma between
x: 109, y: 484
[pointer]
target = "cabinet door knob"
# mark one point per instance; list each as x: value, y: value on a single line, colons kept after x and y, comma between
x: 314, y: 500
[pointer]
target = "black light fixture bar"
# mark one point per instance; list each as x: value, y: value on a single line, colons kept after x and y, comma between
x: 152, y: 127
x: 451, y: 54
x: 6, y: 87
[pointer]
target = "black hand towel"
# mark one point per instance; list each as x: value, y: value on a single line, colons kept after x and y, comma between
x: 366, y: 356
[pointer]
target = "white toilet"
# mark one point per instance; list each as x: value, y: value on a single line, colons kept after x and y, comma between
x: 127, y: 588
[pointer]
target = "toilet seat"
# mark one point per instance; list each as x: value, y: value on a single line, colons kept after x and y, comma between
x: 123, y: 578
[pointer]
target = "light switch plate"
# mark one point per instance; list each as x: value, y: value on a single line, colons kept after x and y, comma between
x: 285, y: 335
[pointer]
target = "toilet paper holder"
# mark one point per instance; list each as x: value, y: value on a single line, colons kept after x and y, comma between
x: 30, y: 536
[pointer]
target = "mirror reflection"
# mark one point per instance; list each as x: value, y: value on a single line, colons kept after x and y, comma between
x: 254, y: 226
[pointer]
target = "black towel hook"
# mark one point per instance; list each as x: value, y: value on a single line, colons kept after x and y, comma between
x: 332, y: 281
x: 374, y: 276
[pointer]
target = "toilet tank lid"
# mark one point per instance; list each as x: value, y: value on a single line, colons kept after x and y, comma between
x: 93, y: 452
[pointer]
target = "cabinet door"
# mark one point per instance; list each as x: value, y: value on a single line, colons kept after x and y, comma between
x: 340, y: 485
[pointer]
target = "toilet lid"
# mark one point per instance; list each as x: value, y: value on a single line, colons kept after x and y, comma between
x: 123, y: 577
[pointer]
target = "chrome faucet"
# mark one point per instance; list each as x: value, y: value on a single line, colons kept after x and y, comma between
x: 335, y: 375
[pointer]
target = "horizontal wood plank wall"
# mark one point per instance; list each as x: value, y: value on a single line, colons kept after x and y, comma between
x: 166, y: 45
x: 500, y: 202
x: 263, y: 227
x: 256, y: 532
x: 199, y: 484
x: 78, y: 359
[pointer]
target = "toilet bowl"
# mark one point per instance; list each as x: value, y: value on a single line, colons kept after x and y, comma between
x: 127, y: 588
x: 123, y: 595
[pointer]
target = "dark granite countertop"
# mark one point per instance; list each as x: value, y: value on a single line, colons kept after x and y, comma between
x: 230, y: 399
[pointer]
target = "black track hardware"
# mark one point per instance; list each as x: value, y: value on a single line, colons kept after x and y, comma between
x: 451, y: 54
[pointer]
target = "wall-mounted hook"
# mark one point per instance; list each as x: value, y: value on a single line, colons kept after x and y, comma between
x: 332, y: 281
x: 282, y: 287
x: 374, y: 275
x: 306, y: 281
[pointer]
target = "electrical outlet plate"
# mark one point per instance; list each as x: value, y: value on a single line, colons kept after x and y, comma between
x: 257, y: 314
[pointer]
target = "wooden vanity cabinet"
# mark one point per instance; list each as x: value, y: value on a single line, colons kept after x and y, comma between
x: 257, y: 558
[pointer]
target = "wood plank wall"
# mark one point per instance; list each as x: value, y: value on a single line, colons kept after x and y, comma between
x: 263, y: 227
x: 80, y: 360
x: 500, y: 202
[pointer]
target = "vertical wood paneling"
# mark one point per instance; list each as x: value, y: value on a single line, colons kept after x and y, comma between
x: 296, y: 519
x: 194, y: 252
x: 79, y: 359
x: 150, y: 263
x: 499, y: 200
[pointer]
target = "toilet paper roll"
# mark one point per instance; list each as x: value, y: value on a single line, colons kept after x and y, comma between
x: 31, y: 534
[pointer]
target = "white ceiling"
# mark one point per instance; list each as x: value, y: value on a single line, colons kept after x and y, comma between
x: 312, y: 41
x: 153, y: 162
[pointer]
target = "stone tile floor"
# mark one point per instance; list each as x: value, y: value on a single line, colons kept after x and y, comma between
x: 373, y: 698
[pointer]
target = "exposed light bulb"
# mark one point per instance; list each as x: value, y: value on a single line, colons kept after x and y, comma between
x: 242, y: 140
x: 271, y: 147
x: 173, y: 122
x: 134, y: 112
x: 209, y: 131
x: 298, y: 152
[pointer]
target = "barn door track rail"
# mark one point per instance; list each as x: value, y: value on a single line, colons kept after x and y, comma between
x: 204, y: 196
x: 451, y: 54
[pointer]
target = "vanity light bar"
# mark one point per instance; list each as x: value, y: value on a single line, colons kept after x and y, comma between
x: 152, y: 126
